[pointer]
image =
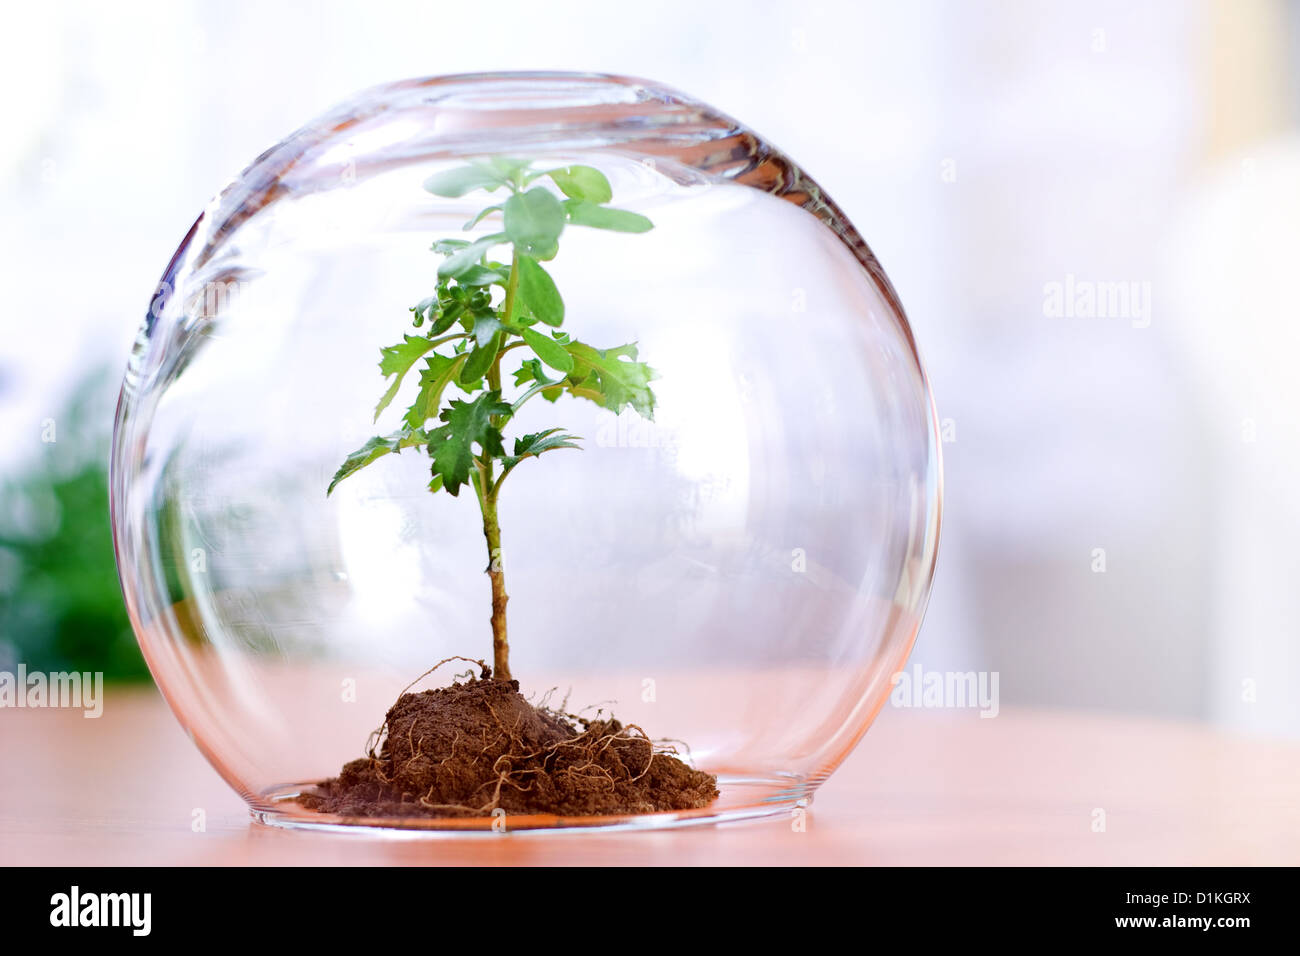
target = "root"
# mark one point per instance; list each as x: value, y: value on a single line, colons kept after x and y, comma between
x: 485, y: 671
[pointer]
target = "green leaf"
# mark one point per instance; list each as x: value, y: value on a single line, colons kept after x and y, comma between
x: 548, y: 440
x: 477, y: 275
x: 480, y: 360
x: 454, y: 183
x: 548, y: 350
x: 447, y: 319
x: 531, y: 371
x: 437, y: 375
x: 534, y: 221
x: 426, y: 308
x: 615, y: 381
x: 537, y: 443
x: 602, y: 217
x: 452, y: 459
x: 485, y: 326
x: 465, y: 258
x: 582, y: 182
x: 375, y: 449
x: 398, y: 360
x: 538, y: 293
x: 468, y: 424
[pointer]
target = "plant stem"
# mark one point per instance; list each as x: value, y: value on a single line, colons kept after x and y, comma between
x: 496, y: 573
x: 512, y: 288
x: 487, y: 500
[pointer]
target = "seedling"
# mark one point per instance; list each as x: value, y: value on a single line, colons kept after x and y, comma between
x: 481, y: 310
x: 478, y: 746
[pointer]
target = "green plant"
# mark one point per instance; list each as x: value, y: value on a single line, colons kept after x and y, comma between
x: 495, y: 308
x: 60, y: 604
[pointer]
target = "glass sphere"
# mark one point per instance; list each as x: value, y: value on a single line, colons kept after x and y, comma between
x: 743, y: 574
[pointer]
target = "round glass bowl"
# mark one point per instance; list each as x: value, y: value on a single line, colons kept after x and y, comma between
x: 743, y: 574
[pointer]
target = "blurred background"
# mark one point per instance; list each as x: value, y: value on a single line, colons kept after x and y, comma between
x: 1090, y: 210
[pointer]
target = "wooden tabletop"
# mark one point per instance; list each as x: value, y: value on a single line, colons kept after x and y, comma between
x: 923, y: 787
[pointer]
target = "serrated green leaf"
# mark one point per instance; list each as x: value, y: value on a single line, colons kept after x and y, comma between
x: 531, y: 371
x: 534, y: 221
x: 397, y: 360
x: 538, y: 443
x: 454, y: 183
x: 452, y: 459
x: 548, y: 350
x: 468, y: 423
x: 582, y: 182
x: 537, y: 292
x: 375, y: 449
x: 437, y: 375
x: 614, y: 375
x: 602, y: 217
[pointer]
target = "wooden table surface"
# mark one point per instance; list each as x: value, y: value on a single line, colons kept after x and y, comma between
x: 923, y: 787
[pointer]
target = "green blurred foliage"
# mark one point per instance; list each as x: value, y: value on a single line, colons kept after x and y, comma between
x: 60, y: 603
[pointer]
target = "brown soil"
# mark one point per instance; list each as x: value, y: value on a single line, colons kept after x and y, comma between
x: 473, y: 747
